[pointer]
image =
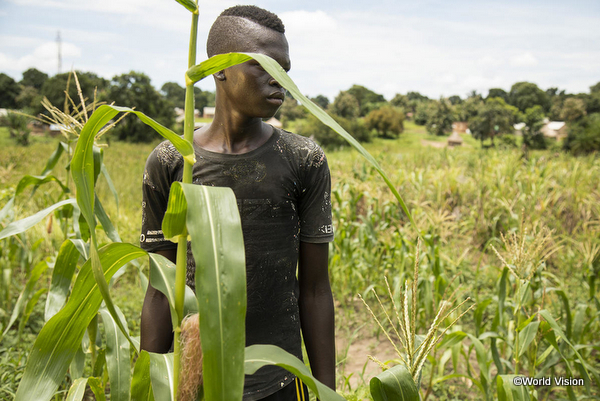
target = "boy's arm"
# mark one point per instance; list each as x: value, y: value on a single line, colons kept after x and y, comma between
x: 156, y: 329
x: 317, y: 311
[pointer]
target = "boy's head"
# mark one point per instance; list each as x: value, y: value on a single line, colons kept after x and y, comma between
x: 232, y: 32
x: 247, y: 87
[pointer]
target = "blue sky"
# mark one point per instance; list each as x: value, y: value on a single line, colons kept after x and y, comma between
x: 438, y: 48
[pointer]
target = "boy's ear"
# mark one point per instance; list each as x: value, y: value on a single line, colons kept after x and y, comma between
x: 220, y: 75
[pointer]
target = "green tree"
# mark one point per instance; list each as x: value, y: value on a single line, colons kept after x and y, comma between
x: 440, y: 117
x: 573, y: 109
x: 367, y: 99
x: 595, y: 88
x: 9, y: 90
x: 34, y: 78
x: 135, y: 90
x: 29, y: 98
x: 455, y: 99
x: 584, y: 135
x: 416, y: 96
x: 387, y: 121
x: 321, y: 100
x: 524, y: 95
x: 174, y: 93
x: 497, y: 92
x: 328, y: 138
x: 493, y: 117
x: 422, y: 111
x: 345, y: 105
x: 532, y: 134
x: 401, y: 101
x: 468, y: 109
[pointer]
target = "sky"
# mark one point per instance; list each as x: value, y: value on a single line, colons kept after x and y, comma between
x: 438, y: 48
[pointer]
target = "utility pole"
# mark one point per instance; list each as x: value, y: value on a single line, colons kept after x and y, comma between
x: 59, y: 45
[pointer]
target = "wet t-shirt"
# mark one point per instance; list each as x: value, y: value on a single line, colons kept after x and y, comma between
x: 283, y: 196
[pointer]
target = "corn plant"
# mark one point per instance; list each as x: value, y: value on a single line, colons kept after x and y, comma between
x: 403, y: 380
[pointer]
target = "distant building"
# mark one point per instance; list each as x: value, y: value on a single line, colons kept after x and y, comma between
x: 460, y: 127
x: 554, y: 129
x: 208, y: 112
x: 455, y: 139
x: 180, y: 114
x: 519, y: 129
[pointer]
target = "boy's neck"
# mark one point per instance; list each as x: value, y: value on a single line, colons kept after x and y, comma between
x: 231, y: 133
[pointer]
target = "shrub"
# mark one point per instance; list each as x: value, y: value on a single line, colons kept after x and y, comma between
x: 326, y: 137
x: 584, y: 135
x: 387, y: 121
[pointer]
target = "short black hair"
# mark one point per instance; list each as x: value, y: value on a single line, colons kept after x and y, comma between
x: 224, y: 31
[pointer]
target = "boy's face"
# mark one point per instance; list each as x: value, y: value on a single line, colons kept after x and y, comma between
x: 248, y: 88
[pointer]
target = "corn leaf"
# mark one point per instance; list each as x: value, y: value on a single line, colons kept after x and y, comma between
x: 222, y: 61
x: 111, y: 185
x: 97, y: 388
x: 29, y: 180
x: 107, y: 225
x: 140, y: 390
x: 162, y: 277
x: 548, y: 318
x: 482, y: 361
x: 526, y: 336
x: 77, y: 389
x: 507, y: 391
x: 189, y: 4
x: 117, y: 357
x: 261, y: 355
x: 64, y: 268
x: 394, y: 384
x: 213, y: 222
x: 61, y: 336
x: 161, y: 375
x: 19, y: 226
x: 54, y: 157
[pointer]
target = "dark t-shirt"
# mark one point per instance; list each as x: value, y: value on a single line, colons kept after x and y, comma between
x: 283, y: 196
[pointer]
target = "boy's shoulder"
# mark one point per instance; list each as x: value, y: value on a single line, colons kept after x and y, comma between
x: 166, y: 155
x: 304, y: 148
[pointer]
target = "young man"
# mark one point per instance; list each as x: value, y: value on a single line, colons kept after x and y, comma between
x: 282, y: 185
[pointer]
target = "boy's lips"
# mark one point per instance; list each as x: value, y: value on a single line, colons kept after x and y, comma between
x: 276, y: 97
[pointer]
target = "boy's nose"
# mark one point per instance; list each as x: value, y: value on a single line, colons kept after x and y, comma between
x: 273, y: 82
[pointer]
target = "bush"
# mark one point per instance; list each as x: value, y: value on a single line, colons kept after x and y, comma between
x: 584, y: 135
x: 328, y: 138
x: 387, y: 121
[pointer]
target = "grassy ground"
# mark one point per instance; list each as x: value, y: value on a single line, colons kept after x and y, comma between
x: 462, y: 199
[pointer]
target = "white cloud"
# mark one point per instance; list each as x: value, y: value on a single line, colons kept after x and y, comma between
x: 524, y: 60
x: 44, y: 57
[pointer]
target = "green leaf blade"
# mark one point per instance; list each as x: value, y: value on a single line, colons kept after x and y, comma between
x: 61, y: 336
x: 117, y: 357
x: 64, y: 268
x: 394, y: 384
x: 261, y: 355
x: 214, y: 225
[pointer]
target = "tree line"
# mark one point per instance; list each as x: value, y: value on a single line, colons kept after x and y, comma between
x: 361, y: 111
x: 133, y: 89
x: 366, y: 114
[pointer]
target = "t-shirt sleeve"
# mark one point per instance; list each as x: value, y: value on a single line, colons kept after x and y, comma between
x: 155, y: 195
x: 314, y: 207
